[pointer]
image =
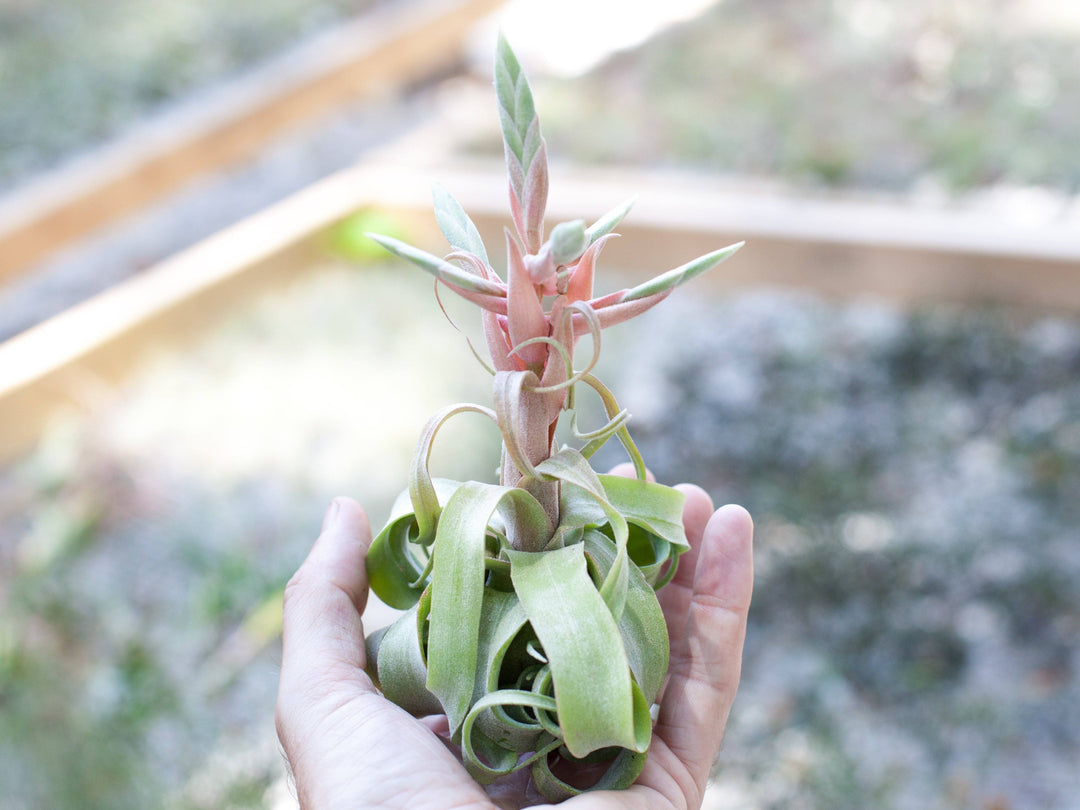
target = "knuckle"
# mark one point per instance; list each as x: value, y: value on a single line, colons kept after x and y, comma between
x: 295, y: 588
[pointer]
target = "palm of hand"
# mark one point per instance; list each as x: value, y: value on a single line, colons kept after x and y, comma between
x: 351, y: 748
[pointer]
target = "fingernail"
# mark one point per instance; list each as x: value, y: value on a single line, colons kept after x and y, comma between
x: 331, y: 514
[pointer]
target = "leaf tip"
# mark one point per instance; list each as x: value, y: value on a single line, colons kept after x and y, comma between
x: 379, y: 238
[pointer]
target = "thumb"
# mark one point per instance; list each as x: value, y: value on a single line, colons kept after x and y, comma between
x: 322, y: 636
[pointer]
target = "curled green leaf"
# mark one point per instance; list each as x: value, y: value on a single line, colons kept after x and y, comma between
x: 394, y: 567
x: 594, y: 691
x: 424, y: 496
x: 397, y: 666
x: 457, y: 587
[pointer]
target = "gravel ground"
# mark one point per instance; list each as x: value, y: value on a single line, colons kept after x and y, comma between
x: 915, y: 479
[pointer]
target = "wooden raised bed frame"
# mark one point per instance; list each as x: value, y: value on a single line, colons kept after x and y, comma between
x: 378, y: 52
x: 835, y: 248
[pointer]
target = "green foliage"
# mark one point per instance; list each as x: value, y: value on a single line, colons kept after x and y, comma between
x: 456, y: 225
x: 586, y: 664
x: 349, y: 238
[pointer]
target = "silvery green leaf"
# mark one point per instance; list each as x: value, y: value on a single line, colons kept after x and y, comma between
x: 517, y: 111
x: 568, y: 241
x: 680, y: 275
x: 594, y: 692
x: 398, y: 663
x: 572, y: 469
x: 457, y: 227
x: 526, y: 155
x: 440, y: 268
x: 457, y: 588
x: 644, y: 631
x: 393, y: 567
x: 654, y: 507
x: 609, y: 221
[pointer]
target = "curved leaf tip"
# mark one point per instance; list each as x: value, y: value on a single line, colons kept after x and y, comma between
x: 455, y: 223
x: 440, y: 268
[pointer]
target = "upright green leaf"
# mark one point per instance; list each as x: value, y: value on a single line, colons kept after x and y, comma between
x: 609, y: 221
x: 644, y: 631
x: 570, y: 467
x: 594, y: 692
x: 457, y: 594
x: 526, y: 155
x: 456, y: 225
x: 457, y: 589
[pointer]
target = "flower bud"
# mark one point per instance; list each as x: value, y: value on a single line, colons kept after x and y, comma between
x: 568, y: 241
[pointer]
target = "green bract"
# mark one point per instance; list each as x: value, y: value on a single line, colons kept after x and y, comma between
x: 531, y: 619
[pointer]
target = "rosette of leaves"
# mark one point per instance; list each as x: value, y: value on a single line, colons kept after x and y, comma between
x: 531, y: 619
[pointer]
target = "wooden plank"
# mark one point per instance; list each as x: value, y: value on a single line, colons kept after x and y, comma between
x: 837, y: 248
x: 374, y: 54
x: 64, y: 362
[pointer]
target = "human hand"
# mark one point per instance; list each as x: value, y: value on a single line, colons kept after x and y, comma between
x: 350, y: 748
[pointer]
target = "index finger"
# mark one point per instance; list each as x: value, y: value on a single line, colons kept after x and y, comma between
x: 706, y: 664
x: 675, y: 596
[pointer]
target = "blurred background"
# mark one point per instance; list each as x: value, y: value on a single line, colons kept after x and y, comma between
x: 174, y: 418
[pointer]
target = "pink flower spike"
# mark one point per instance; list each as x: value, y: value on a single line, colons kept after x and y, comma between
x: 541, y: 269
x: 488, y: 303
x: 499, y: 343
x: 515, y: 209
x: 555, y: 373
x: 478, y: 266
x: 535, y: 195
x: 471, y: 261
x: 525, y: 312
x: 580, y: 284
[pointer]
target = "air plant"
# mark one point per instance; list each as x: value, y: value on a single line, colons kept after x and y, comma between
x: 531, y: 616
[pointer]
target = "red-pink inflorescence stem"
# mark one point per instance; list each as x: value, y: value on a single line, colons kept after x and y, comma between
x: 534, y: 318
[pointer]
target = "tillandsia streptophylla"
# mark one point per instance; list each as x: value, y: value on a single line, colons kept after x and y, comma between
x: 532, y: 620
